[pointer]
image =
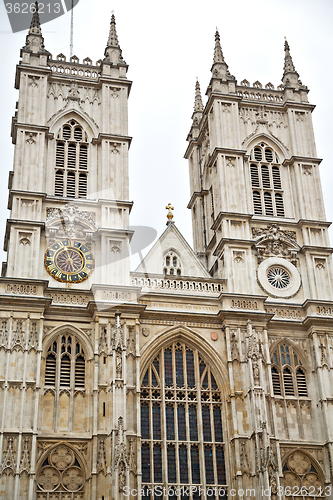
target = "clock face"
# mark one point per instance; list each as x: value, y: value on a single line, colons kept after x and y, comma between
x: 69, y: 261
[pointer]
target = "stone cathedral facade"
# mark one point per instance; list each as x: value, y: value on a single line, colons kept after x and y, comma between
x: 208, y: 368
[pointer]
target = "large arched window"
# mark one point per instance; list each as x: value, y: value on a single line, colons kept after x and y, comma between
x: 181, y: 421
x: 288, y: 374
x: 266, y: 182
x: 71, y: 165
x: 65, y: 364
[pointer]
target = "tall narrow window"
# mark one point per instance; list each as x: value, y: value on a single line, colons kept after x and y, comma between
x: 65, y: 364
x: 266, y: 182
x: 181, y: 386
x: 71, y: 160
x: 288, y: 375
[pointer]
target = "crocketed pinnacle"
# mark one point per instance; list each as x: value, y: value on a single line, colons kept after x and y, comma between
x: 113, y: 38
x: 288, y: 62
x: 218, y: 54
x: 35, y: 28
x: 198, y: 105
x: 290, y: 76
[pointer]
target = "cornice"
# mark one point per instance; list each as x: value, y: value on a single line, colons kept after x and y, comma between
x: 111, y: 137
x: 303, y: 159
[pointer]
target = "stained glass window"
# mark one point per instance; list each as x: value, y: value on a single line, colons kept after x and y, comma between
x: 181, y: 421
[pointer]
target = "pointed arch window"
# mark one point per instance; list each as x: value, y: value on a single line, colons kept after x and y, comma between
x: 265, y: 173
x: 181, y: 421
x: 60, y: 475
x: 300, y: 472
x: 65, y: 364
x: 71, y: 165
x: 288, y: 374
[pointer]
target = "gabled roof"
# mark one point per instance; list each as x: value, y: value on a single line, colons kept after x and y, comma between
x: 172, y: 240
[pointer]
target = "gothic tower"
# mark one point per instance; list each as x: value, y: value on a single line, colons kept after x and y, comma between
x: 71, y: 143
x: 256, y: 193
x: 259, y: 225
x: 63, y: 343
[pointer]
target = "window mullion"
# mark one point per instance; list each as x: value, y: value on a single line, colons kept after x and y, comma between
x: 163, y: 423
x: 174, y: 380
x: 72, y: 389
x: 199, y: 417
x: 57, y: 387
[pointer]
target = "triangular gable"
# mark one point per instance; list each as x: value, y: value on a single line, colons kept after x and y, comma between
x: 172, y: 240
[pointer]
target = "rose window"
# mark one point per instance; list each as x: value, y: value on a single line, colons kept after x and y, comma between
x: 278, y: 277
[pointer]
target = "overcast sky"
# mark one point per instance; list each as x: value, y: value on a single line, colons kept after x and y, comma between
x: 167, y: 44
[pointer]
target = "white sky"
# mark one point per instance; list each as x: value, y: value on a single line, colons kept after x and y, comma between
x: 168, y: 44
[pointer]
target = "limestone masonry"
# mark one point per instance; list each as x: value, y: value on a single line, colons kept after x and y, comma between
x: 205, y: 368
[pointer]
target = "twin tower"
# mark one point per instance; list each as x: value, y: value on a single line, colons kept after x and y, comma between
x: 205, y: 370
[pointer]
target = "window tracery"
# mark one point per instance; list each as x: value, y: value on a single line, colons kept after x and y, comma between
x: 181, y: 421
x: 60, y: 476
x: 265, y: 176
x: 302, y: 478
x: 65, y: 364
x: 71, y: 166
x: 172, y: 264
x: 288, y: 374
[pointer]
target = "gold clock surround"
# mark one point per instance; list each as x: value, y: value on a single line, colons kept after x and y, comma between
x: 69, y: 261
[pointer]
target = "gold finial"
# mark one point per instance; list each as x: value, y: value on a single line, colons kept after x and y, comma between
x: 169, y: 214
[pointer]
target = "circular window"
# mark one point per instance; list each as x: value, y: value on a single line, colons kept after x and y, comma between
x: 278, y: 277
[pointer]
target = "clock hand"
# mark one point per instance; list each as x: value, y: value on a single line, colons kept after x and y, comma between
x: 70, y: 260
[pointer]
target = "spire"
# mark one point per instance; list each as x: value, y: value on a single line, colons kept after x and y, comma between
x: 198, y: 106
x: 34, y: 40
x: 113, y: 38
x: 288, y: 62
x: 290, y: 76
x: 218, y: 54
x: 113, y: 52
x: 220, y: 67
x: 35, y: 28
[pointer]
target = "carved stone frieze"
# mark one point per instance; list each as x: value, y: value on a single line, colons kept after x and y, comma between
x: 272, y: 241
x: 21, y: 289
x: 70, y: 222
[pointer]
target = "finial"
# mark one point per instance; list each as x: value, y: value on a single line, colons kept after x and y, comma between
x: 198, y: 106
x: 169, y: 214
x: 218, y: 54
x: 35, y: 28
